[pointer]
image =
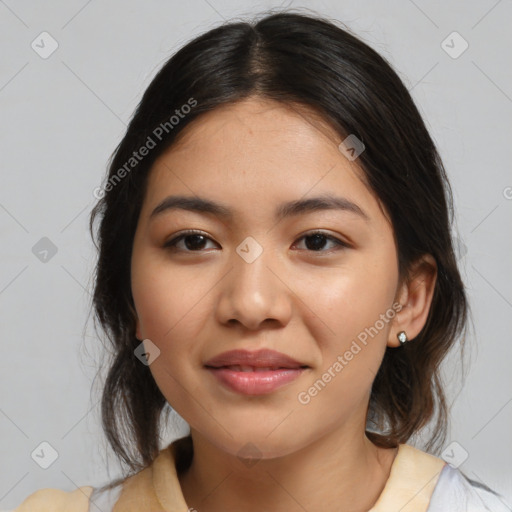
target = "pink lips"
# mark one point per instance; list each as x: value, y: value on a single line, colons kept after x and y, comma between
x: 254, y: 373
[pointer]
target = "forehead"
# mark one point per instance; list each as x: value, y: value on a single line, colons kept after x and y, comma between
x: 255, y: 152
x: 256, y: 121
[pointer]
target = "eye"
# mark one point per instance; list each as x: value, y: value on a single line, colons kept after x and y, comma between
x: 317, y: 240
x: 194, y: 241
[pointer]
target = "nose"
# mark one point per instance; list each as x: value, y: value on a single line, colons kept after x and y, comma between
x: 254, y: 293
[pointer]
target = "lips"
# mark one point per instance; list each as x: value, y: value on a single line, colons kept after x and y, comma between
x: 245, y: 368
x: 254, y: 373
x: 260, y: 360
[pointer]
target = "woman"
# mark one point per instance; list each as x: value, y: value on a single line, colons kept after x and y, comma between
x: 275, y: 263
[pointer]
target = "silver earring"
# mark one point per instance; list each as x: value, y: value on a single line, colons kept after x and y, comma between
x: 402, y: 337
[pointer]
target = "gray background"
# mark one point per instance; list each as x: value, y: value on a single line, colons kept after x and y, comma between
x: 62, y: 116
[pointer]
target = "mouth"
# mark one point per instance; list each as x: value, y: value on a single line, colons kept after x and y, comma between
x: 246, y: 360
x: 254, y: 373
x: 246, y: 368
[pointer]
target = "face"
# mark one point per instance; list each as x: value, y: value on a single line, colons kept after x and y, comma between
x: 318, y: 285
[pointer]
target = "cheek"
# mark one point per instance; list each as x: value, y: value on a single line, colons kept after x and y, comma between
x: 167, y: 299
x: 348, y: 300
x: 352, y: 339
x: 355, y: 309
x: 172, y: 306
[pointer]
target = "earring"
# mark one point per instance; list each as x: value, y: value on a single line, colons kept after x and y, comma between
x: 402, y: 337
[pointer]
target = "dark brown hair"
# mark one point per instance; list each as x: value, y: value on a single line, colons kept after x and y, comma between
x: 298, y: 60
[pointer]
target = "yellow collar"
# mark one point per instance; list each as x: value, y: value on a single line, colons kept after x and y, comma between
x: 411, y: 482
x: 410, y: 485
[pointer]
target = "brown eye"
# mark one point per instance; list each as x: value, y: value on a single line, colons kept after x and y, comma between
x: 193, y: 241
x: 316, y: 241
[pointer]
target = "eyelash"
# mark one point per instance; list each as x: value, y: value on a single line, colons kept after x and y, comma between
x: 171, y: 244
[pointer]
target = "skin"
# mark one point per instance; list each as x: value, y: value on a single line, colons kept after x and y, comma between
x: 309, y: 304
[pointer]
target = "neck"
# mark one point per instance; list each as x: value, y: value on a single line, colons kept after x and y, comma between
x: 338, y: 471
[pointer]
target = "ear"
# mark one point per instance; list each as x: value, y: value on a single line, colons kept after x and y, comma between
x: 415, y: 295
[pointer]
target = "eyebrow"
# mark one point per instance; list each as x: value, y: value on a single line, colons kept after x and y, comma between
x: 288, y: 209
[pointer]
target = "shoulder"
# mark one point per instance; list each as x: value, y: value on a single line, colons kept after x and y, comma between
x: 83, y: 499
x: 125, y: 490
x: 104, y: 498
x: 456, y: 492
x: 56, y: 500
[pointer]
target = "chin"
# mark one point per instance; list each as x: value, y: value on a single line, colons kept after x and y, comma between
x: 252, y: 444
